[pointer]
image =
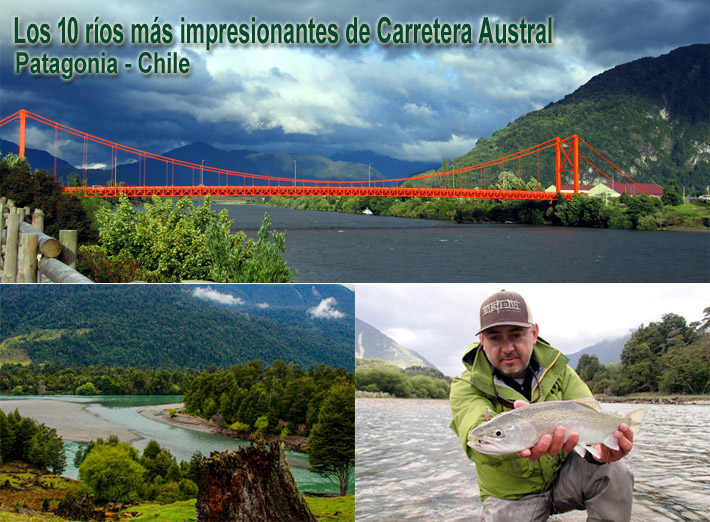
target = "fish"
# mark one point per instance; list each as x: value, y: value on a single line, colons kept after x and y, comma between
x: 522, y: 427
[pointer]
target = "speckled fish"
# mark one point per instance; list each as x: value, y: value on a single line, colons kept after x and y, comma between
x: 522, y: 427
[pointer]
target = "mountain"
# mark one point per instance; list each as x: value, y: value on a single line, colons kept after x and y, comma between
x: 168, y: 326
x: 608, y: 351
x: 273, y: 164
x: 39, y: 159
x: 392, y: 167
x: 344, y: 166
x: 370, y: 343
x: 649, y: 117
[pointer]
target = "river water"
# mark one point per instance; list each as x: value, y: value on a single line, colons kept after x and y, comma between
x: 410, y: 465
x: 181, y: 442
x: 355, y: 248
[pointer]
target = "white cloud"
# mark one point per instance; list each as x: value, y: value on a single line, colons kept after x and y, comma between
x: 437, y: 149
x: 263, y: 306
x: 418, y: 109
x: 293, y: 89
x: 208, y: 294
x: 326, y: 310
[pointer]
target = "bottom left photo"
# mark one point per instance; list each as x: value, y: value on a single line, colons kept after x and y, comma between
x: 187, y: 402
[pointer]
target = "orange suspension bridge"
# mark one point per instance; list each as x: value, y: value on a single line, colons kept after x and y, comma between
x: 466, y: 182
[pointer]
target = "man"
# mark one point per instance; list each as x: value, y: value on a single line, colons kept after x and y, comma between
x: 510, y: 367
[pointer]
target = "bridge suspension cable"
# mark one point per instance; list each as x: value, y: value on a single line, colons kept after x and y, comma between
x: 451, y: 182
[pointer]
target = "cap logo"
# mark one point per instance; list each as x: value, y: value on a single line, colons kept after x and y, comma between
x: 501, y: 305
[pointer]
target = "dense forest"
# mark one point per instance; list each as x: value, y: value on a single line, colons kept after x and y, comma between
x: 378, y: 377
x: 176, y: 326
x: 99, y: 379
x: 281, y: 399
x: 668, y: 356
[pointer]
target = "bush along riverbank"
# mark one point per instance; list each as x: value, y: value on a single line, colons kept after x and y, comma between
x: 627, y: 212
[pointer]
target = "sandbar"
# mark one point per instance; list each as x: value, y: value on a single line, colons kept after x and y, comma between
x: 72, y: 420
x: 161, y: 413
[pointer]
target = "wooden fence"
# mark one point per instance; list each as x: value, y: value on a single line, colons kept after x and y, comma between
x: 28, y: 253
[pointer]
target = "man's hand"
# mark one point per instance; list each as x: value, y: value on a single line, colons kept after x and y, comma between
x: 551, y: 444
x: 626, y: 441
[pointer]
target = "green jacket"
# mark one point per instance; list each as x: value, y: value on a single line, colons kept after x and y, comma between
x: 508, y: 476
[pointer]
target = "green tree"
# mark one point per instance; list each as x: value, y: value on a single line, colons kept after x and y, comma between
x: 331, y: 445
x: 37, y: 189
x: 74, y: 180
x: 86, y: 389
x: 46, y: 450
x: 112, y: 473
x: 671, y: 194
x: 687, y: 369
x: 587, y: 367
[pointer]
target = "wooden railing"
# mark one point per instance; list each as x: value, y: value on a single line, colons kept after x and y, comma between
x: 28, y: 253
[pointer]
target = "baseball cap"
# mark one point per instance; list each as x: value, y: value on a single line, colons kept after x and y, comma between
x: 505, y: 308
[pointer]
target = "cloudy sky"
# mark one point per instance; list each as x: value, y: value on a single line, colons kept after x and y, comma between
x: 439, y: 321
x: 412, y: 102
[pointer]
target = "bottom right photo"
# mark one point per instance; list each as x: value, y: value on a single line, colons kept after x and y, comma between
x: 512, y: 401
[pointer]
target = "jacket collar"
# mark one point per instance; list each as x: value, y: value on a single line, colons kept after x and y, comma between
x: 552, y: 363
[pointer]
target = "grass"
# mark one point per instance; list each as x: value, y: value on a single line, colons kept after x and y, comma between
x: 333, y: 509
x: 11, y: 351
x: 326, y: 509
x: 28, y: 489
x: 183, y: 511
x: 22, y: 502
x: 686, y: 216
x: 9, y: 516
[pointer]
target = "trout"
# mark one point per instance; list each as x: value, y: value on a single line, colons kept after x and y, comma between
x: 522, y: 427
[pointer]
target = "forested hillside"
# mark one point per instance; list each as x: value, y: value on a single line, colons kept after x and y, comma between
x: 172, y: 326
x: 667, y: 356
x: 650, y: 117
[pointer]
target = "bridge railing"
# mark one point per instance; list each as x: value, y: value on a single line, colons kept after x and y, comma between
x: 28, y: 253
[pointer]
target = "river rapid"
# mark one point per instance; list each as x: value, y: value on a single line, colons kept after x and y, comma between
x: 356, y: 248
x: 410, y: 465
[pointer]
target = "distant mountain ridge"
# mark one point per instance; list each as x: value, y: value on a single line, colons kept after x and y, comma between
x: 346, y: 166
x: 607, y: 351
x: 649, y: 117
x: 39, y: 159
x: 370, y: 343
x: 392, y: 167
x: 168, y: 326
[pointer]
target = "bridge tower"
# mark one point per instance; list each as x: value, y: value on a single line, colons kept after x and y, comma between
x: 23, y: 123
x: 567, y: 160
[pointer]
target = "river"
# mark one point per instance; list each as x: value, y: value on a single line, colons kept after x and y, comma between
x: 410, y: 465
x: 181, y: 442
x: 356, y: 248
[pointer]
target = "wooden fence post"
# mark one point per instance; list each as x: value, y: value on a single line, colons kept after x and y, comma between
x: 69, y: 241
x: 48, y: 246
x: 38, y: 219
x: 13, y: 230
x: 27, y: 272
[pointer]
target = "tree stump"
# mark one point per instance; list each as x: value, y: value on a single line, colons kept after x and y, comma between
x: 80, y: 510
x: 253, y: 484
